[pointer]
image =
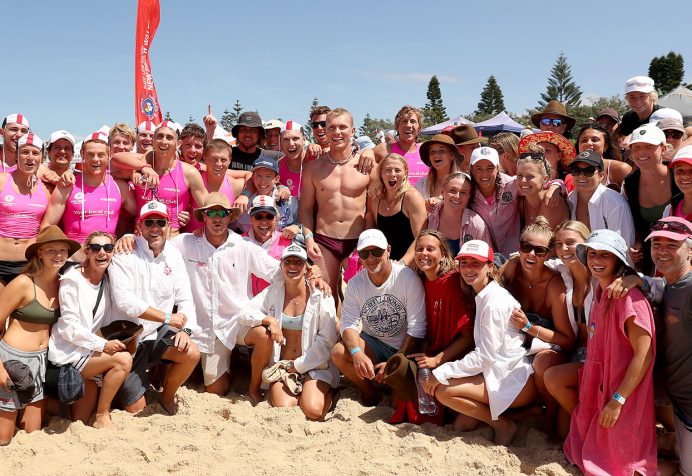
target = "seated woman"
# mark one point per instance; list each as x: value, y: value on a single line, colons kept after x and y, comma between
x: 533, y: 173
x: 31, y: 302
x: 85, y: 304
x: 307, y: 322
x: 395, y: 207
x: 453, y: 216
x: 543, y: 315
x: 443, y: 158
x: 496, y: 374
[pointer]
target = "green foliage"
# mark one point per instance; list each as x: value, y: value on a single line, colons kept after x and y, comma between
x: 667, y: 72
x: 371, y: 124
x: 587, y: 113
x: 492, y: 101
x: 434, y: 111
x: 307, y: 128
x: 237, y: 109
x: 228, y: 120
x: 190, y: 120
x: 560, y: 85
x: 167, y: 116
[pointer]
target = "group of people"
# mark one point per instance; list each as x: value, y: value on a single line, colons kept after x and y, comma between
x: 521, y: 271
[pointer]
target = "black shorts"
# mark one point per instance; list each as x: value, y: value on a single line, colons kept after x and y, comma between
x: 10, y: 270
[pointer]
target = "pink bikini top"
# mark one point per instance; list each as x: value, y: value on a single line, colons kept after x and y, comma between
x: 90, y: 209
x: 226, y: 189
x: 172, y: 192
x: 21, y: 215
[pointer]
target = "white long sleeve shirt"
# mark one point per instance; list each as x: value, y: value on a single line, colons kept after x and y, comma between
x: 607, y: 210
x: 74, y: 335
x: 140, y: 280
x: 499, y: 355
x: 221, y: 284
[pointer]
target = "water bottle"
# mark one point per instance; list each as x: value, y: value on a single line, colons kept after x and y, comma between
x: 426, y: 403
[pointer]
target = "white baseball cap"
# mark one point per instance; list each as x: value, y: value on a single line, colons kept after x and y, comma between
x: 294, y: 250
x: 641, y: 84
x: 683, y: 155
x: 153, y: 208
x: 665, y: 113
x: 648, y: 134
x: 477, y: 249
x: 30, y: 139
x: 62, y: 134
x: 372, y: 237
x: 16, y: 119
x: 273, y: 124
x: 485, y: 153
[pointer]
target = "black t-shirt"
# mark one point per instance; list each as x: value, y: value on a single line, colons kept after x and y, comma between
x: 630, y: 121
x: 243, y: 161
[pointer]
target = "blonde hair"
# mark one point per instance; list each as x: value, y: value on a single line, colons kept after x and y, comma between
x: 537, y: 158
x: 339, y: 111
x: 539, y: 226
x: 378, y: 188
x: 509, y: 143
x: 405, y: 111
x: 576, y: 226
x: 122, y: 129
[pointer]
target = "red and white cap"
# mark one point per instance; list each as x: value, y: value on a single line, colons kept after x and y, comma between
x: 684, y: 155
x: 97, y: 136
x: 62, y: 134
x: 263, y: 203
x: 476, y: 249
x: 146, y: 126
x: 292, y: 126
x: 16, y: 119
x: 153, y: 208
x: 673, y: 228
x: 30, y: 139
x: 171, y: 125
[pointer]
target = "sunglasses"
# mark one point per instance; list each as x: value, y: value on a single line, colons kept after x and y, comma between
x: 223, y: 213
x: 532, y: 155
x: 161, y: 222
x: 263, y: 216
x: 554, y: 122
x: 673, y: 226
x: 673, y: 134
x: 585, y: 171
x: 108, y: 248
x: 539, y: 251
x: 317, y: 124
x: 365, y: 254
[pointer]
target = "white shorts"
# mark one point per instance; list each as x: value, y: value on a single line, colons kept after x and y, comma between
x: 684, y: 438
x: 217, y: 363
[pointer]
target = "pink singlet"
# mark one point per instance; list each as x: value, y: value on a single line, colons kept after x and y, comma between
x: 291, y: 179
x: 90, y: 209
x: 21, y: 215
x: 226, y: 189
x: 172, y: 192
x: 278, y: 243
x: 417, y: 170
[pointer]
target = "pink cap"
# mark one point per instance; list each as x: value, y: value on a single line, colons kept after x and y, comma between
x: 30, y: 139
x: 684, y: 155
x: 477, y: 249
x: 16, y: 119
x: 146, y: 126
x: 674, y: 228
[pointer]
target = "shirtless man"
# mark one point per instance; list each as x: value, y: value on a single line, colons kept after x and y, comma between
x: 333, y: 181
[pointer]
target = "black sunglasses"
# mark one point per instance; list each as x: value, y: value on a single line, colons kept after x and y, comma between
x: 555, y: 122
x: 223, y: 213
x: 673, y: 226
x: 673, y: 134
x: 377, y: 253
x: 585, y: 171
x: 532, y: 155
x: 263, y: 216
x: 526, y: 247
x: 317, y: 124
x: 108, y: 247
x: 161, y: 222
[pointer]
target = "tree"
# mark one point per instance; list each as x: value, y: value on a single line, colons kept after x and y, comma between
x: 492, y: 101
x: 228, y: 120
x: 366, y: 128
x: 371, y: 124
x: 589, y: 109
x: 190, y: 120
x: 307, y: 128
x: 167, y: 116
x: 667, y: 72
x: 237, y: 109
x: 561, y: 86
x: 434, y: 111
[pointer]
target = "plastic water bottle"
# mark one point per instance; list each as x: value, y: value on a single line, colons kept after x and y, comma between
x: 426, y: 403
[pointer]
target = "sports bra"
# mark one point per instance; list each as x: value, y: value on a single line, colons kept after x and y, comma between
x: 36, y: 313
x: 292, y: 323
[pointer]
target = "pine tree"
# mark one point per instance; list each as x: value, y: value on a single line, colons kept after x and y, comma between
x: 190, y: 120
x: 434, y: 110
x: 367, y: 128
x: 228, y: 120
x: 561, y: 86
x: 167, y: 116
x: 492, y: 101
x: 237, y: 109
x: 667, y: 72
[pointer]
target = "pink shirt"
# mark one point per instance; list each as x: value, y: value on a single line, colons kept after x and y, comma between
x: 501, y: 216
x: 172, y: 192
x: 630, y: 446
x: 291, y: 179
x: 21, y: 215
x: 226, y: 189
x: 275, y: 247
x: 417, y: 170
x: 90, y: 209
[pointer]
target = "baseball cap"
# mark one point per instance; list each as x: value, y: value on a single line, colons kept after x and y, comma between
x: 589, y: 157
x: 604, y: 240
x: 266, y: 163
x: 16, y: 119
x: 665, y: 113
x: 648, y: 134
x: 372, y: 237
x: 273, y: 124
x: 642, y: 84
x: 30, y: 139
x: 96, y: 137
x: 292, y: 126
x: 609, y: 112
x: 294, y: 250
x: 675, y: 228
x: 146, y: 126
x: 670, y: 124
x: 364, y: 143
x: 263, y: 203
x: 62, y: 134
x: 684, y: 155
x: 477, y: 249
x: 485, y: 153
x: 153, y: 208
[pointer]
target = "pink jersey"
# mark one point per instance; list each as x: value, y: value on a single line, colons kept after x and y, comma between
x: 172, y: 192
x: 90, y: 209
x: 417, y: 170
x: 275, y: 247
x: 226, y: 189
x: 291, y: 179
x: 8, y: 169
x: 21, y: 215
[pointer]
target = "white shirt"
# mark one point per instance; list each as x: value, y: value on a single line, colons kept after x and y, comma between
x: 221, y: 284
x: 498, y: 355
x: 73, y: 336
x: 607, y: 210
x: 139, y: 281
x: 388, y: 312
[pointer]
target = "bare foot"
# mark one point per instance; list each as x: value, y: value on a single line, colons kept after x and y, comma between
x: 465, y: 423
x: 255, y: 396
x: 504, y: 431
x: 103, y: 420
x: 170, y: 407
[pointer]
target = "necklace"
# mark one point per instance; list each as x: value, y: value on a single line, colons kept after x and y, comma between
x: 388, y: 205
x: 332, y: 161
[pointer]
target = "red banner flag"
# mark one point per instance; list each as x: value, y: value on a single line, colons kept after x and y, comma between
x: 146, y: 102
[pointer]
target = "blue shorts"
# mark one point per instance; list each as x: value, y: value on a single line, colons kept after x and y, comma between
x: 381, y: 350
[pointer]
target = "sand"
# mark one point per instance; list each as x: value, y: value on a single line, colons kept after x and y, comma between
x: 214, y: 435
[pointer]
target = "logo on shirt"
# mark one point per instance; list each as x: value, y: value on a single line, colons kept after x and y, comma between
x: 466, y: 238
x: 383, y: 316
x: 507, y: 197
x: 9, y: 198
x: 592, y: 329
x: 166, y: 270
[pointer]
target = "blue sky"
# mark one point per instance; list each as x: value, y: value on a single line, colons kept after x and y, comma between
x: 69, y: 64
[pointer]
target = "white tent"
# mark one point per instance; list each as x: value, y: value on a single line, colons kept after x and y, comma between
x: 679, y: 99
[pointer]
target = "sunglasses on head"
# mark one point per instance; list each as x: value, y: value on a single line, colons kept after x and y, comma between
x: 526, y: 247
x: 222, y: 213
x: 160, y: 222
x: 673, y: 134
x: 317, y: 124
x: 263, y: 216
x: 532, y: 155
x: 377, y: 253
x: 108, y: 247
x: 585, y: 171
x: 673, y: 226
x: 554, y: 122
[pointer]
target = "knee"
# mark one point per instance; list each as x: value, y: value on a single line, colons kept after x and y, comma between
x: 193, y: 354
x: 338, y: 353
x: 4, y: 442
x: 442, y: 393
x: 544, y: 361
x: 123, y: 361
x: 312, y: 410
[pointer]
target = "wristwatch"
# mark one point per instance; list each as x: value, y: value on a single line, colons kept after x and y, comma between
x: 188, y: 331
x: 619, y: 398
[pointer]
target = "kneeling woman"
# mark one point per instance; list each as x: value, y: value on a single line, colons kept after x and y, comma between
x: 496, y: 375
x: 303, y: 327
x: 31, y: 302
x: 85, y: 303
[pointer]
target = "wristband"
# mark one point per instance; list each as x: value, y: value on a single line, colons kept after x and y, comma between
x: 146, y: 165
x: 245, y: 193
x: 167, y: 319
x: 355, y: 349
x: 526, y: 327
x: 308, y: 236
x: 619, y: 398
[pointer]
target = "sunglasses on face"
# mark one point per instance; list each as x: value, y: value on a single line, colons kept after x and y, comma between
x: 673, y: 226
x: 554, y: 122
x: 673, y: 134
x: 223, y: 213
x: 317, y: 124
x: 108, y: 248
x: 585, y: 171
x: 365, y: 254
x: 161, y: 222
x: 539, y: 251
x: 263, y: 216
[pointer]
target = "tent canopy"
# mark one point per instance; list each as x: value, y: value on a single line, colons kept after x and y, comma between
x: 501, y: 122
x: 437, y: 128
x: 679, y: 99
